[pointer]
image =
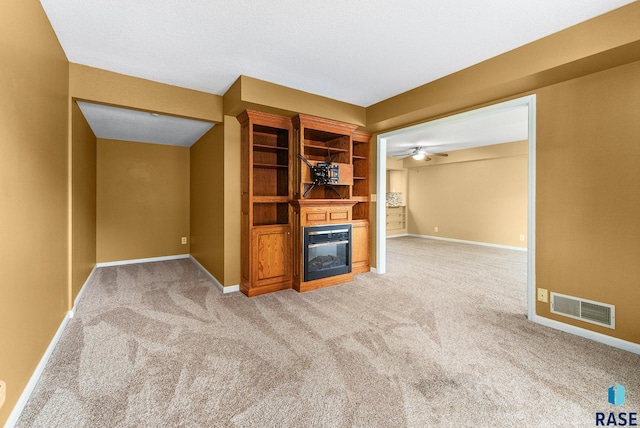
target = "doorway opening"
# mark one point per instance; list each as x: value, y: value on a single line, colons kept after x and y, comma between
x: 527, y: 102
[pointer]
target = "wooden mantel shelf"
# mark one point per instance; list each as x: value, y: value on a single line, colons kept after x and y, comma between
x: 323, y: 202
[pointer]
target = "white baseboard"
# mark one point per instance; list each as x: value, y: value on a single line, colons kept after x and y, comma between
x: 588, y: 334
x: 225, y: 290
x: 461, y: 241
x: 374, y: 270
x: 147, y: 260
x: 400, y: 235
x: 35, y: 377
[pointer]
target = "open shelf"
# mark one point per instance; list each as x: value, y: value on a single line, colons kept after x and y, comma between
x: 270, y: 180
x: 270, y: 136
x: 268, y: 147
x: 270, y: 213
x: 361, y: 211
x: 330, y: 149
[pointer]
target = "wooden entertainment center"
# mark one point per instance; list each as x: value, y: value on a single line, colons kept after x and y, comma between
x: 274, y: 211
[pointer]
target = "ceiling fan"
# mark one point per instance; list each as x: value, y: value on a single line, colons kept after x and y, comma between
x: 419, y: 153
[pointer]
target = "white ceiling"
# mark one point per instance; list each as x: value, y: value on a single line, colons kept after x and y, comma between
x: 440, y: 136
x: 357, y: 51
x: 143, y: 127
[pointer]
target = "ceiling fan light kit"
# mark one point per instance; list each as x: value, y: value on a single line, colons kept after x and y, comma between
x: 418, y: 153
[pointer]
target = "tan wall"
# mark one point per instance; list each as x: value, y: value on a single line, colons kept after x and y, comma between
x: 589, y: 63
x: 106, y: 87
x: 142, y: 200
x: 207, y: 202
x: 83, y: 200
x: 33, y: 192
x: 483, y: 200
x: 604, y: 42
x: 248, y: 92
x: 232, y: 173
x: 588, y: 202
x: 397, y: 182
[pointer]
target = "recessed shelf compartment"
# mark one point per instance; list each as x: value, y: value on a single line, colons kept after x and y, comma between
x: 270, y: 180
x: 270, y: 213
x: 361, y: 211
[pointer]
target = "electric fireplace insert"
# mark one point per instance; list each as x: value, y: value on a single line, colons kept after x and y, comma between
x: 327, y: 251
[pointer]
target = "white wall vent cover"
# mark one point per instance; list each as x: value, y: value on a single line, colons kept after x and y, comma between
x: 585, y: 310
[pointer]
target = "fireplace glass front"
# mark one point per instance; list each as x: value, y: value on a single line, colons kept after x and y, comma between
x: 327, y: 251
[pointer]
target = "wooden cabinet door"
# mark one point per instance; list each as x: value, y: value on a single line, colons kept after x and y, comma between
x: 360, y: 250
x: 271, y: 261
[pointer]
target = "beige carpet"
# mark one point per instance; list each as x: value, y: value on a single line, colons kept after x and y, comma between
x: 440, y: 340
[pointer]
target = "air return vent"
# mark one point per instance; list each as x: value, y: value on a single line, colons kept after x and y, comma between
x: 585, y: 310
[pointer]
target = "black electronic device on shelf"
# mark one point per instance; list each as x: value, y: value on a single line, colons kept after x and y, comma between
x: 322, y: 174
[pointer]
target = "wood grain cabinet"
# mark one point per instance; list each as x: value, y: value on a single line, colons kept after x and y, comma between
x: 265, y: 210
x: 360, y: 252
x: 279, y: 197
x: 396, y: 219
x: 271, y: 257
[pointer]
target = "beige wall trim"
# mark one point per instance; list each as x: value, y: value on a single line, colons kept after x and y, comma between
x: 588, y: 334
x: 35, y: 377
x: 225, y: 290
x: 145, y: 260
x: 462, y: 241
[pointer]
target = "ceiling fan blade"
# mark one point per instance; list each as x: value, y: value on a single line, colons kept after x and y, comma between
x: 427, y: 159
x: 400, y: 156
x: 439, y: 154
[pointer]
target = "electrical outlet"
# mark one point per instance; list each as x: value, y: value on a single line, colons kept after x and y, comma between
x: 522, y: 237
x: 435, y: 229
x: 3, y: 392
x: 184, y: 240
x: 543, y: 295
